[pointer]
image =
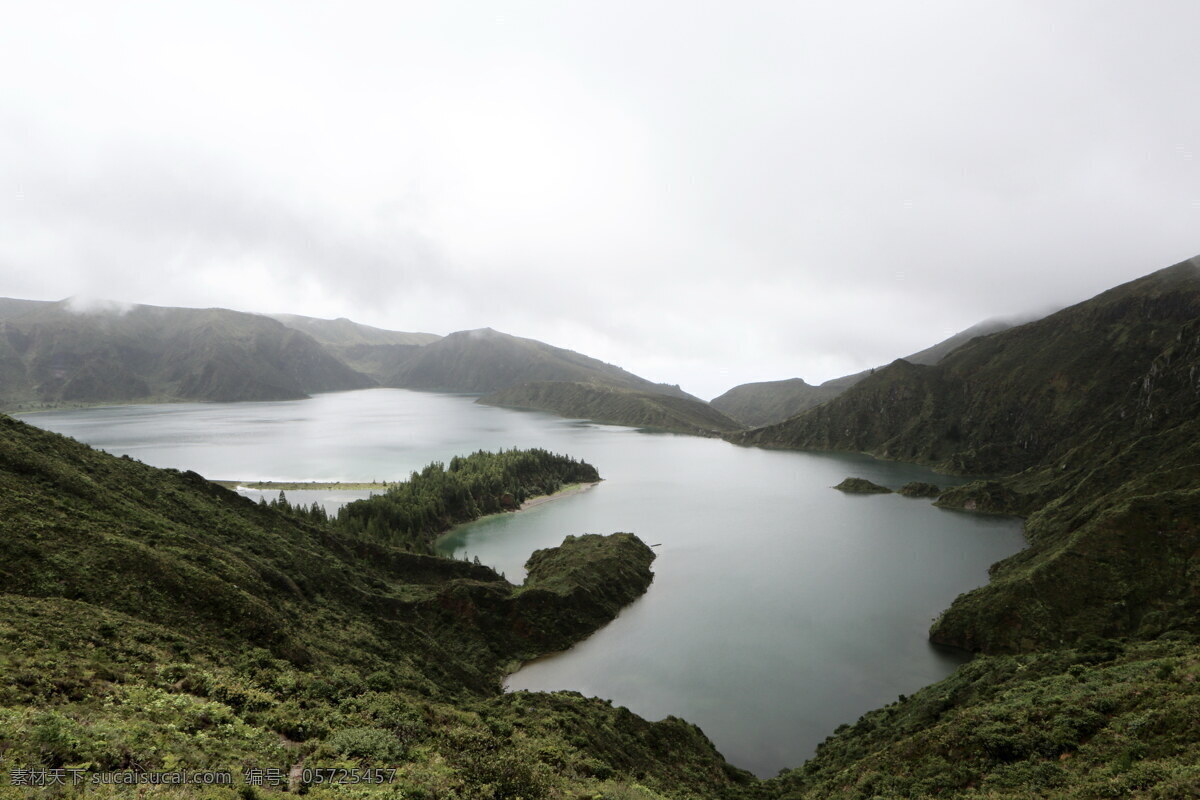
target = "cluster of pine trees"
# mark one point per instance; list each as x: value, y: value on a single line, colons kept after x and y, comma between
x: 315, y: 513
x: 410, y: 515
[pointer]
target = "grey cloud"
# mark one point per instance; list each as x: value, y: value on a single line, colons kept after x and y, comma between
x: 751, y: 192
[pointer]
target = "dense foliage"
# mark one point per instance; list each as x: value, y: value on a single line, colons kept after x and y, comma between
x: 410, y: 515
x: 1101, y: 719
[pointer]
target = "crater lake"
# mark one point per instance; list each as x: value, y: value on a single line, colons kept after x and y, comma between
x: 780, y: 607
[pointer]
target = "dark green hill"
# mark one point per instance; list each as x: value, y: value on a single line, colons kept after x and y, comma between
x: 50, y: 353
x: 485, y: 360
x: 617, y: 406
x: 770, y: 402
x: 151, y: 620
x: 1093, y: 414
x: 1011, y: 400
x: 1102, y: 719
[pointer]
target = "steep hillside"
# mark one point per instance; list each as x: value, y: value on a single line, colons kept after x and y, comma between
x: 616, y: 406
x: 1102, y: 719
x: 1092, y: 413
x: 770, y: 402
x: 485, y: 360
x: 151, y: 620
x: 51, y: 353
x: 1012, y: 400
x: 934, y: 354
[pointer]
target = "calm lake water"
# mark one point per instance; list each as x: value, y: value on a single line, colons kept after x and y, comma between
x: 780, y: 607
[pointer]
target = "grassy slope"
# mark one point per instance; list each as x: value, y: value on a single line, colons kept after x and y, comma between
x: 1012, y: 400
x: 1102, y: 719
x: 153, y: 620
x: 614, y: 405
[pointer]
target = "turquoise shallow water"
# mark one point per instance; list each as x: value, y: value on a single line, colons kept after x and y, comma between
x: 780, y: 607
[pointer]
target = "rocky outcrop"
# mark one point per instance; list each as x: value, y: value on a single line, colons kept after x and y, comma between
x: 861, y: 486
x: 988, y: 497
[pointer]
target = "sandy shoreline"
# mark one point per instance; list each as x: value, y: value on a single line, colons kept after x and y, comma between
x: 533, y: 502
x: 567, y: 492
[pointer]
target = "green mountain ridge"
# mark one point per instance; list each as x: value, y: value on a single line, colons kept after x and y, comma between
x: 614, y: 405
x: 64, y: 353
x: 53, y: 354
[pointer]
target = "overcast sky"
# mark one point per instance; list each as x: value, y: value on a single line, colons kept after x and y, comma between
x: 703, y: 193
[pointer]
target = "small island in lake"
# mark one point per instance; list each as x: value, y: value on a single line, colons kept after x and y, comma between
x: 861, y: 486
